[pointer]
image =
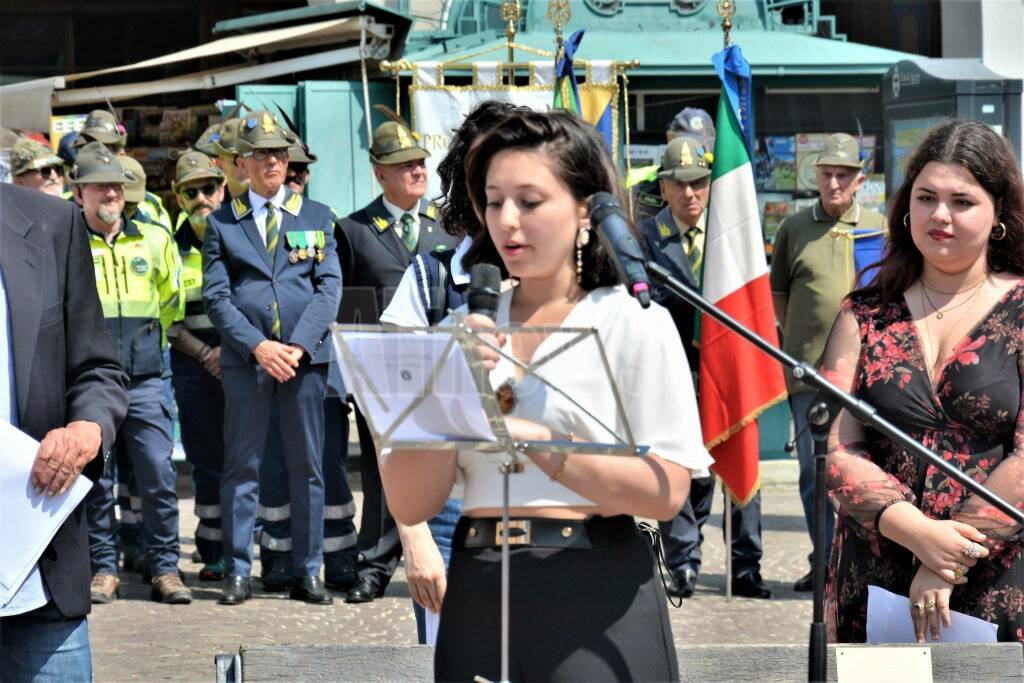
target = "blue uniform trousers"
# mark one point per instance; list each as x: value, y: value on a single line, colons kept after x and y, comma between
x: 380, y: 547
x: 682, y: 536
x: 200, y: 398
x: 274, y: 512
x: 251, y: 398
x: 145, y: 436
x: 129, y: 502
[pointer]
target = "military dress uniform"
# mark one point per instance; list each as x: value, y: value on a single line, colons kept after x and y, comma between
x: 257, y: 286
x: 137, y: 282
x: 375, y: 248
x: 199, y: 394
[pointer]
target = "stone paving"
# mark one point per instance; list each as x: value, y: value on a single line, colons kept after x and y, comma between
x: 135, y: 639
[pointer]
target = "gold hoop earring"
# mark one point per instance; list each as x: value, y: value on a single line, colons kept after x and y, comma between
x: 998, y: 232
x: 582, y: 240
x: 906, y: 221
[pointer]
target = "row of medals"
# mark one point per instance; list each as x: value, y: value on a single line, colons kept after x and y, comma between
x: 296, y: 255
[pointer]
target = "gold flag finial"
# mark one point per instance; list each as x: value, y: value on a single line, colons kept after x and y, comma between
x: 559, y: 14
x: 511, y: 11
x: 726, y: 9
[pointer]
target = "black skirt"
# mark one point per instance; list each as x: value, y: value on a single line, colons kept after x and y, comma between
x: 592, y: 614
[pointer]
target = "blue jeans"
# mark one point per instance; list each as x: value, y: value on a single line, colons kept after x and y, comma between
x: 798, y: 404
x: 42, y: 647
x: 442, y: 530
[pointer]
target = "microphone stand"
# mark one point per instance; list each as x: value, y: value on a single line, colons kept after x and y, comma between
x: 820, y: 417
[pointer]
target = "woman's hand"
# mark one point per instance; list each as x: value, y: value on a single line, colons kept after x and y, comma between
x: 424, y: 567
x: 940, y: 544
x: 484, y: 326
x: 929, y: 603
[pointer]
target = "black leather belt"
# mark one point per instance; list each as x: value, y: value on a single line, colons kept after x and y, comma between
x: 541, y: 532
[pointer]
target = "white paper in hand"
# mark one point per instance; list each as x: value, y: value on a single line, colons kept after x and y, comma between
x: 28, y: 521
x: 889, y: 622
x: 391, y: 371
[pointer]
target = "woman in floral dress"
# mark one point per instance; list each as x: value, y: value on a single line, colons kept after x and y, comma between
x: 936, y: 344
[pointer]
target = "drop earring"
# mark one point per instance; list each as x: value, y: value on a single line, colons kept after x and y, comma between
x: 582, y: 240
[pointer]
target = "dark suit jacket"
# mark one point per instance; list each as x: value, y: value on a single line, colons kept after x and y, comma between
x: 664, y: 245
x: 65, y: 367
x: 373, y: 257
x: 240, y: 284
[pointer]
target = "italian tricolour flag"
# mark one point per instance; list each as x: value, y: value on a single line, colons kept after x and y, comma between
x: 737, y: 381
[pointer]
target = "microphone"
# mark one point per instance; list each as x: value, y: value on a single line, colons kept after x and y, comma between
x: 607, y: 216
x: 484, y: 289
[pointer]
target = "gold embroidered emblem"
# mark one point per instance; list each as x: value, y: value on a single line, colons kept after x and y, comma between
x: 381, y: 223
x: 404, y: 140
x: 685, y: 156
x: 664, y: 230
x: 268, y: 123
x: 431, y: 212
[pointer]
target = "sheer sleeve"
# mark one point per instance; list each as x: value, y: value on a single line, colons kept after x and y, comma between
x: 1007, y: 482
x: 860, y: 490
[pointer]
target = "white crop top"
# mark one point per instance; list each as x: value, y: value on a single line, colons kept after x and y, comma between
x: 652, y: 376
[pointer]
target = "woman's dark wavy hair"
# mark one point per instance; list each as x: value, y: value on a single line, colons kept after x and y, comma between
x: 578, y: 157
x: 457, y: 215
x: 988, y: 157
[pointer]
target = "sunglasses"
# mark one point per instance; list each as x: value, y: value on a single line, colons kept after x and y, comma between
x: 208, y: 189
x: 264, y: 154
x: 48, y: 171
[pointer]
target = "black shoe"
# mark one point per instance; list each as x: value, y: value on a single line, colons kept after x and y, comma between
x: 684, y: 582
x: 237, y: 589
x: 365, y: 591
x: 750, y: 585
x: 340, y: 571
x: 805, y: 584
x: 275, y: 571
x: 311, y: 589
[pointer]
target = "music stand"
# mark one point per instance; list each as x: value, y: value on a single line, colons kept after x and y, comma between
x: 444, y: 358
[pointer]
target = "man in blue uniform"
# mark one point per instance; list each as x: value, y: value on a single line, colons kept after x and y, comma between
x: 271, y: 285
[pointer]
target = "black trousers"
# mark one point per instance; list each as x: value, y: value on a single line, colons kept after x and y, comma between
x: 575, y: 615
x: 378, y: 543
x: 683, y: 535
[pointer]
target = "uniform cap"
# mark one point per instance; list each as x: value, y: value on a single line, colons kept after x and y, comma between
x: 840, y: 150
x: 299, y: 154
x: 685, y: 159
x: 394, y: 144
x: 30, y: 155
x: 135, y: 186
x: 96, y: 164
x: 261, y: 129
x: 194, y: 165
x: 101, y: 126
x: 696, y: 123
x: 206, y: 142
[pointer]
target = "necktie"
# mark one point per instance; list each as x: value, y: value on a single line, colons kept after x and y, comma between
x: 693, y: 250
x: 409, y: 236
x: 273, y: 233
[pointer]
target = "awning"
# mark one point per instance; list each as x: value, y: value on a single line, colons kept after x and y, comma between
x: 28, y: 104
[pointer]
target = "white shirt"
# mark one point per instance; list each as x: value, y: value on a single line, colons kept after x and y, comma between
x: 406, y: 306
x: 653, y: 379
x: 259, y: 209
x: 397, y: 212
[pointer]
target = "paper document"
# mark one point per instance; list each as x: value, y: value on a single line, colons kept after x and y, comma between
x: 889, y: 622
x: 389, y: 371
x: 28, y: 521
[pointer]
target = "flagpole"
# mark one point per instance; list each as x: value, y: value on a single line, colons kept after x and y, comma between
x: 511, y: 10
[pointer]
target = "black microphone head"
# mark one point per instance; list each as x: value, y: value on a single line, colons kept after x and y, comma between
x: 601, y: 205
x: 484, y: 289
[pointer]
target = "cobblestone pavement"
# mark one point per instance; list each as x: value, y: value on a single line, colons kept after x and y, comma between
x: 135, y: 639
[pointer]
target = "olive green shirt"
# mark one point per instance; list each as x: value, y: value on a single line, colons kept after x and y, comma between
x: 813, y: 266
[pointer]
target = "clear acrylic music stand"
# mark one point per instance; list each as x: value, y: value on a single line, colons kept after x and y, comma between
x: 397, y: 390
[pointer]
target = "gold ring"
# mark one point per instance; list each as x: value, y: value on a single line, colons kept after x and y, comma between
x: 958, y: 573
x: 972, y: 550
x: 930, y: 604
x: 917, y: 606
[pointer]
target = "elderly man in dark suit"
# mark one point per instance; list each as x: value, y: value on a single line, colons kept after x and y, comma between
x: 375, y: 245
x: 73, y: 400
x: 271, y: 286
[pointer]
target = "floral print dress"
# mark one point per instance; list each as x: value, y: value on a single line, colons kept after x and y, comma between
x: 972, y: 416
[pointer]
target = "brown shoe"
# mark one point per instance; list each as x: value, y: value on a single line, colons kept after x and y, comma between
x: 169, y: 588
x: 103, y: 589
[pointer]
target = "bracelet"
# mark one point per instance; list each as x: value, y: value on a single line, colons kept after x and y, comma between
x: 561, y: 467
x: 203, y: 353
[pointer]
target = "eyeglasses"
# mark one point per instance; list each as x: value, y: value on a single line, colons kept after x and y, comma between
x: 263, y: 154
x: 208, y: 189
